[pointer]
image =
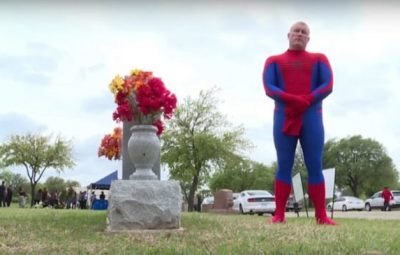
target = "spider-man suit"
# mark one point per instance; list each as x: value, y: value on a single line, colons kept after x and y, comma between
x: 298, y: 81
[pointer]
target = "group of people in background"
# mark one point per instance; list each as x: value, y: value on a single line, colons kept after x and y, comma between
x: 45, y: 198
x: 69, y: 199
x: 53, y: 199
x: 5, y: 195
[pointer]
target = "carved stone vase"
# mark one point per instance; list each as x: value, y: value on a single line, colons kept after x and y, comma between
x: 143, y: 150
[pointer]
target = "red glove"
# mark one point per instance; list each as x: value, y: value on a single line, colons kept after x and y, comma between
x: 292, y: 126
x: 309, y: 98
x: 297, y: 106
x: 294, y: 111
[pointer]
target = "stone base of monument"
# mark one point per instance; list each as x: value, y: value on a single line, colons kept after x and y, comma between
x: 144, y: 206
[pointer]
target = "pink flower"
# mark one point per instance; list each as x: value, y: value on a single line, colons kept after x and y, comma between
x: 123, y: 112
x: 160, y: 127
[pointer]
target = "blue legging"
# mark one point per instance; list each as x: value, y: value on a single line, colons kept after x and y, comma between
x: 312, y: 142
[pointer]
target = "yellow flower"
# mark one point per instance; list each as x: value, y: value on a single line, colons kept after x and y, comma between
x: 135, y: 72
x: 117, y: 84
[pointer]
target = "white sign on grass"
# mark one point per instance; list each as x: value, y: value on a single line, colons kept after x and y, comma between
x: 329, y: 176
x: 297, y: 188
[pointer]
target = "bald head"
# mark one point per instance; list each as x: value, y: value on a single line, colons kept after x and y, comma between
x: 299, y: 36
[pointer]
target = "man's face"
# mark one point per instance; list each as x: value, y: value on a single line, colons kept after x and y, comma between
x: 298, y: 36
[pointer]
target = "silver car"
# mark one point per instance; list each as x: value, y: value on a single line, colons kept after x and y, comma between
x: 376, y: 201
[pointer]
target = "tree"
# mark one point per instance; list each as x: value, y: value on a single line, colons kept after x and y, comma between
x: 54, y: 183
x: 72, y: 183
x: 242, y: 174
x: 6, y: 176
x: 36, y: 154
x: 198, y: 142
x: 362, y: 165
x: 58, y: 185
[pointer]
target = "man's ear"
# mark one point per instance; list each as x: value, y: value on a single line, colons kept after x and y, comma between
x: 288, y: 35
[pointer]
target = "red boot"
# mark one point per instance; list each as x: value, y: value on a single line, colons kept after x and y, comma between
x: 282, y: 191
x: 317, y: 195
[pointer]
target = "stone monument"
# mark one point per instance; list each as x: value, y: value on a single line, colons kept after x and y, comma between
x: 139, y: 205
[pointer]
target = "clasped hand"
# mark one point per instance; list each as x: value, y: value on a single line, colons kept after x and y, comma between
x: 297, y: 106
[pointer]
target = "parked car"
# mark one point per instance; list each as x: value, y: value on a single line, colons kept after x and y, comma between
x: 207, y: 203
x: 346, y: 203
x: 376, y: 201
x: 235, y: 197
x: 256, y: 201
x: 290, y: 205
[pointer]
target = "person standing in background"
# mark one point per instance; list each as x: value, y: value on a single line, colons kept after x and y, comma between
x: 22, y: 197
x: 387, y: 196
x: 2, y: 194
x: 9, y: 195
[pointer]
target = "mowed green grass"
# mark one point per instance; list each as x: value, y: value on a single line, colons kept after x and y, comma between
x: 50, y: 231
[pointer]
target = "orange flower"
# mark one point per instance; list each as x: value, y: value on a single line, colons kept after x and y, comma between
x: 110, y: 146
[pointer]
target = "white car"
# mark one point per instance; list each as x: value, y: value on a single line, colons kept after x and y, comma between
x: 235, y: 200
x: 255, y: 201
x: 376, y: 201
x: 208, y: 201
x: 346, y: 203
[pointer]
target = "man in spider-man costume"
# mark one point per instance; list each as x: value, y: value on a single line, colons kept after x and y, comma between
x: 298, y: 81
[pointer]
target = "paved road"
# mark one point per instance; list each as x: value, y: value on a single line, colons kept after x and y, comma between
x: 374, y: 214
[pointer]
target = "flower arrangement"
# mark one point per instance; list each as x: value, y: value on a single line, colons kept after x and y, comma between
x: 142, y: 99
x: 110, y: 146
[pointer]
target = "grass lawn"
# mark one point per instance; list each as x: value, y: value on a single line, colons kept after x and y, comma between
x: 50, y: 231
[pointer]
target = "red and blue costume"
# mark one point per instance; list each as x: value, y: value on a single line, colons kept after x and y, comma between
x: 298, y: 81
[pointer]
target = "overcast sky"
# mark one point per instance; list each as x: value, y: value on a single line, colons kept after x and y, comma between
x: 56, y: 61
